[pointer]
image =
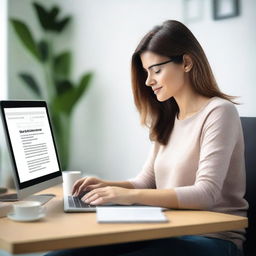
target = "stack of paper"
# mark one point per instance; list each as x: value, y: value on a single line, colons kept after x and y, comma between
x: 110, y: 214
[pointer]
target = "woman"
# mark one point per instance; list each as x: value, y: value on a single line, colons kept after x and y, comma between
x: 197, y: 157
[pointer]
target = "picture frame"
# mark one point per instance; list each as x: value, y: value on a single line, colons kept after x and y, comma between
x: 193, y: 10
x: 224, y: 9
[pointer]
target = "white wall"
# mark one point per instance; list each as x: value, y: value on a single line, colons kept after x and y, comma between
x: 230, y: 45
x: 3, y: 78
x: 108, y: 140
x: 3, y: 49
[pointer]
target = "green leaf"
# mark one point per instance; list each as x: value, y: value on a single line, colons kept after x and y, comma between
x: 54, y: 13
x: 83, y: 85
x: 26, y: 37
x: 31, y: 83
x: 63, y: 86
x: 62, y: 24
x: 42, y: 15
x: 49, y: 19
x: 44, y: 50
x: 66, y: 101
x: 61, y: 65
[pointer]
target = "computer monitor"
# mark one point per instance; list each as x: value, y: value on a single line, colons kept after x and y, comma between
x: 32, y: 148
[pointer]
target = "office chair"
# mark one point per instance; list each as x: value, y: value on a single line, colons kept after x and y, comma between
x: 249, y: 130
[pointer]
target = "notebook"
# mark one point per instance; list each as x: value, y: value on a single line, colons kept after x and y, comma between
x: 130, y: 214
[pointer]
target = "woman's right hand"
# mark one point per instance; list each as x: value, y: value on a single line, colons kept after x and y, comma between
x: 87, y: 184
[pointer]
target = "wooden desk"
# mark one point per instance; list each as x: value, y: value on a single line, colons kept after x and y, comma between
x: 59, y: 230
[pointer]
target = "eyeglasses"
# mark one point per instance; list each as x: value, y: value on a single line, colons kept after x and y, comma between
x: 178, y: 59
x: 159, y: 64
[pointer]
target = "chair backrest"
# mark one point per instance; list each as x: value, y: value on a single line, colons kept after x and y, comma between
x: 249, y: 130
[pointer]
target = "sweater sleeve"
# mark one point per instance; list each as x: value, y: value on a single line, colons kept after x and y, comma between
x: 146, y: 178
x: 220, y: 133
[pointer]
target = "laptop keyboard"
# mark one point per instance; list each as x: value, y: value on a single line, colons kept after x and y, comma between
x: 75, y: 201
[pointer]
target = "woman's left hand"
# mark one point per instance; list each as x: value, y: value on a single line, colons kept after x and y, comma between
x: 104, y: 195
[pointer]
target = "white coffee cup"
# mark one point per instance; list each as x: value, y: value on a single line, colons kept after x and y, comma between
x: 69, y: 178
x: 28, y: 209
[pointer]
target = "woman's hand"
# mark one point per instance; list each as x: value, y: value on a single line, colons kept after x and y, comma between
x: 103, y: 195
x: 87, y: 184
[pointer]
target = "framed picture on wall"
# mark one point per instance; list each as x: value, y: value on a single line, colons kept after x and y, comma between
x: 224, y: 9
x: 193, y: 10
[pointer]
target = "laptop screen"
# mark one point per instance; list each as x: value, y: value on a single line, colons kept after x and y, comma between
x: 31, y: 143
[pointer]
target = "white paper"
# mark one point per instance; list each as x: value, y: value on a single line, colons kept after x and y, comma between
x: 129, y: 214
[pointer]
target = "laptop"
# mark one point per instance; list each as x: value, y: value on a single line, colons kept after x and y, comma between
x: 33, y: 151
x: 75, y: 204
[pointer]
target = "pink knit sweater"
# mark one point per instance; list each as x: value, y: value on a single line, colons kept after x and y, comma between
x: 203, y: 162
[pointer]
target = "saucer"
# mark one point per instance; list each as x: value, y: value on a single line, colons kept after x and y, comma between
x: 14, y: 217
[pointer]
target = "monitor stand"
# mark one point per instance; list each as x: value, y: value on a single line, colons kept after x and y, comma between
x: 42, y: 198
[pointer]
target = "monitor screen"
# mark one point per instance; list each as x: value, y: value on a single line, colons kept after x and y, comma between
x: 31, y: 143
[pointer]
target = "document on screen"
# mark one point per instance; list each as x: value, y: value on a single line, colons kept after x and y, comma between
x: 31, y: 140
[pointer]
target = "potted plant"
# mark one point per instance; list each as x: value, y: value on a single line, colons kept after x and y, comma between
x: 58, y: 90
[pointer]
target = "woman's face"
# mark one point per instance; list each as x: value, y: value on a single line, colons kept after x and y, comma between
x: 166, y: 79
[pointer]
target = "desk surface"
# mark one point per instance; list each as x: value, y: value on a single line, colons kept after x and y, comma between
x: 59, y: 230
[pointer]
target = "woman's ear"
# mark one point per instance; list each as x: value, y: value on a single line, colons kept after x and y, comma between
x: 187, y: 63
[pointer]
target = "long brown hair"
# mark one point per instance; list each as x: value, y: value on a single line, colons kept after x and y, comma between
x: 172, y: 39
